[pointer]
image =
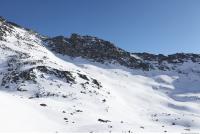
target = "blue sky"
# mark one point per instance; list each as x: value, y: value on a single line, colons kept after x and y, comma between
x: 156, y: 26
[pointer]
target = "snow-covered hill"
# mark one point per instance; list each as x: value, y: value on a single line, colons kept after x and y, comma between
x: 85, y: 84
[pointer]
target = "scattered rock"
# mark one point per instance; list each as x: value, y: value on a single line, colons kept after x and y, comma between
x: 83, y: 76
x: 104, y: 121
x: 142, y: 127
x: 104, y: 100
x: 79, y: 111
x: 44, y: 105
x: 173, y: 123
x: 187, y: 129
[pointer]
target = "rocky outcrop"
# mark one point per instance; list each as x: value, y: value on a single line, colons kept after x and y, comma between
x: 174, y: 58
x: 102, y: 51
x: 94, y: 49
x: 29, y: 75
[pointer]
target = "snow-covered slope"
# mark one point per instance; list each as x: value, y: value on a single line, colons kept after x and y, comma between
x: 45, y: 91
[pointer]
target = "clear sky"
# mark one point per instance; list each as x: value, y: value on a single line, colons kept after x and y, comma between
x: 156, y: 26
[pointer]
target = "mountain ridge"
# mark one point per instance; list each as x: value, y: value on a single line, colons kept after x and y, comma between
x: 78, y: 38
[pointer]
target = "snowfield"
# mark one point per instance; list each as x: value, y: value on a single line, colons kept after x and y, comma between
x: 47, y: 92
x: 22, y: 115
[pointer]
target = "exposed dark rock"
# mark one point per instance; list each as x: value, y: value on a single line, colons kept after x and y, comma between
x: 102, y: 51
x: 174, y: 58
x: 21, y: 90
x: 65, y: 118
x: 142, y: 127
x: 173, y: 123
x: 98, y: 84
x: 60, y: 74
x: 79, y: 111
x: 94, y: 49
x: 44, y: 105
x: 104, y: 121
x: 83, y: 76
x: 29, y: 75
x: 104, y: 100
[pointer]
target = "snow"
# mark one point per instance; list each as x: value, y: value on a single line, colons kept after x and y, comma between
x: 135, y: 100
x: 136, y: 57
x: 20, y: 115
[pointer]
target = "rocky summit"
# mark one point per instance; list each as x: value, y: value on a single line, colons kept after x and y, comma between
x: 95, y: 49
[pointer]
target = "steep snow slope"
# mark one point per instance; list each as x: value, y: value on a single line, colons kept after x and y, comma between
x: 49, y: 92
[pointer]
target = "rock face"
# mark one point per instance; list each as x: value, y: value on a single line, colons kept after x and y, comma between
x: 95, y: 49
x: 174, y: 58
x: 102, y: 51
x: 170, y: 62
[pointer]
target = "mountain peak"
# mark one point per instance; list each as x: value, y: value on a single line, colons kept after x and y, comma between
x: 94, y: 49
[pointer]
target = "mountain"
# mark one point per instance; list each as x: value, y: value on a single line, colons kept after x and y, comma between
x: 86, y: 84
